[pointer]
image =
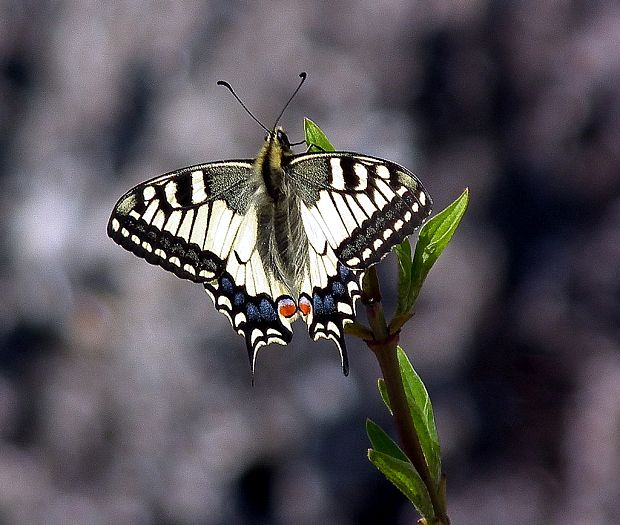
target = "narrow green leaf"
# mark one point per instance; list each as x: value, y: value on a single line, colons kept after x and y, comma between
x: 434, y: 237
x: 359, y: 330
x: 421, y: 411
x: 403, y: 254
x: 381, y: 442
x: 407, y: 480
x: 384, y: 393
x: 315, y: 138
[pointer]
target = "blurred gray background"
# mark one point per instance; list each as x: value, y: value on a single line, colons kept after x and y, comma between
x: 124, y: 396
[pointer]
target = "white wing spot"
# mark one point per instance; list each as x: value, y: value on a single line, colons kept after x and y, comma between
x: 415, y: 207
x: 135, y: 239
x: 398, y: 224
x: 331, y: 327
x: 222, y: 300
x: 383, y: 171
x: 256, y: 333
x: 377, y: 244
x: 345, y: 308
x: 171, y: 194
x: 147, y: 246
x: 125, y: 232
x: 353, y: 261
x: 189, y: 269
x: 337, y: 174
x: 198, y: 187
x: 115, y: 225
x: 160, y: 253
x: 361, y: 171
x: 387, y: 233
x: 176, y: 261
x: 408, y: 216
x: 422, y: 198
x: 148, y: 193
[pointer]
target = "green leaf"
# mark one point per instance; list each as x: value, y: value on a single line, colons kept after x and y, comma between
x: 359, y: 330
x: 403, y: 254
x: 383, y: 443
x: 315, y: 138
x: 421, y: 411
x: 384, y: 394
x: 434, y: 237
x: 407, y: 480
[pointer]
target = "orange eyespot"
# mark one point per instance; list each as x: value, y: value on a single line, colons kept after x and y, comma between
x: 304, y: 307
x: 287, y: 308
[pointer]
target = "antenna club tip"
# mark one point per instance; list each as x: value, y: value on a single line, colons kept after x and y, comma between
x: 303, y: 74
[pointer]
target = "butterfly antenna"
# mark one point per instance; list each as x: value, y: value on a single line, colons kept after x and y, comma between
x: 303, y: 79
x: 229, y: 87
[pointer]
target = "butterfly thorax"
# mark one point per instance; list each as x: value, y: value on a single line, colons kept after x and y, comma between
x: 282, y: 243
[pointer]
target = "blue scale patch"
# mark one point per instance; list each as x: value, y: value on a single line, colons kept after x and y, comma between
x: 227, y: 286
x: 338, y: 289
x: 239, y: 299
x: 252, y: 312
x: 328, y: 304
x: 317, y: 305
x: 267, y: 311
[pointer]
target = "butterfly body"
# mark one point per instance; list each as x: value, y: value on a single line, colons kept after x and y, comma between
x: 281, y: 238
x: 276, y: 238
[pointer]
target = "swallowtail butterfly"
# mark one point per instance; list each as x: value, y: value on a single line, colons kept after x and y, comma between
x: 275, y: 238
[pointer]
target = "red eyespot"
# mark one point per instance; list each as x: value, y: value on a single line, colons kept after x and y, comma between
x: 304, y: 306
x: 287, y: 308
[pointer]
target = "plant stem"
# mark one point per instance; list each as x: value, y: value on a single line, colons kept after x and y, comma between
x: 384, y: 347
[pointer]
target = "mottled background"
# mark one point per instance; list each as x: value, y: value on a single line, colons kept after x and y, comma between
x: 125, y: 398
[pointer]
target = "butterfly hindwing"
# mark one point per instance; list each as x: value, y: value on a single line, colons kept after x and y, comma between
x: 329, y: 293
x: 363, y: 206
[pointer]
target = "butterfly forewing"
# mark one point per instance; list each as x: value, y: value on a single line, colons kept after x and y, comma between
x: 185, y: 221
x: 361, y: 206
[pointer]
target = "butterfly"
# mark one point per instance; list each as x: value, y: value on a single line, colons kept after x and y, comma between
x: 276, y: 238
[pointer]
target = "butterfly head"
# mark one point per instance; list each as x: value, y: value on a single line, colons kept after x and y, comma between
x: 276, y: 147
x: 278, y: 139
